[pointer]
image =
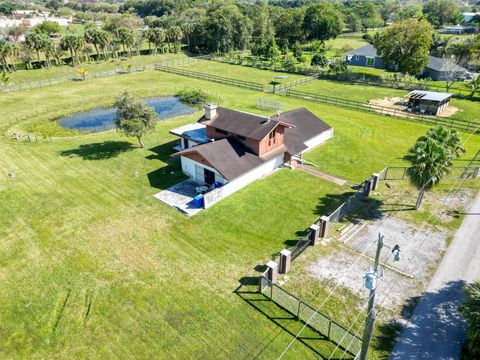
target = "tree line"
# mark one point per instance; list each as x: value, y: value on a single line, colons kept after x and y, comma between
x: 267, y: 29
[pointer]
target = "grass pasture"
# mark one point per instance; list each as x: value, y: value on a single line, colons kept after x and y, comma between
x: 93, y: 266
x: 238, y: 72
x: 468, y: 109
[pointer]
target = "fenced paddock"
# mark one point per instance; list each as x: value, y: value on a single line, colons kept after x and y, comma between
x: 209, y: 77
x: 30, y: 85
x: 263, y: 76
x: 458, y: 124
x: 316, y: 320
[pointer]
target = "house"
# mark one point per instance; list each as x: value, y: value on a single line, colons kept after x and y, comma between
x: 436, y: 69
x: 365, y: 56
x: 458, y: 30
x: 468, y: 16
x: 443, y: 69
x: 229, y: 149
x: 428, y: 102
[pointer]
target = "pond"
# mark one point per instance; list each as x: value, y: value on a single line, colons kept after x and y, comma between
x: 104, y: 119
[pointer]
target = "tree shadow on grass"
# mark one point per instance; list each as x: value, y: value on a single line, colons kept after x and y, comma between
x: 171, y: 172
x: 358, y: 208
x: 99, y: 151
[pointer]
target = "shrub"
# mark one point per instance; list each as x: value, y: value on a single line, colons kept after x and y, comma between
x: 193, y: 96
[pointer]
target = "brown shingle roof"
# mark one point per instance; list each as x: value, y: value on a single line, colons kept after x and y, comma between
x: 228, y: 156
x: 306, y: 125
x: 251, y: 126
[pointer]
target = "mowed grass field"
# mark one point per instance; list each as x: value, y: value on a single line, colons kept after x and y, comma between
x: 467, y: 109
x: 22, y: 76
x: 93, y: 266
x: 238, y: 72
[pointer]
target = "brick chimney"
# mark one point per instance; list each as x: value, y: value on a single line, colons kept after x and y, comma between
x: 210, y: 111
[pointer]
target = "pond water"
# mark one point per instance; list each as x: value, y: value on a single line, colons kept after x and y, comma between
x: 104, y: 119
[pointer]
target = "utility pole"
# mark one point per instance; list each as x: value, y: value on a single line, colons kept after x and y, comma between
x: 370, y: 282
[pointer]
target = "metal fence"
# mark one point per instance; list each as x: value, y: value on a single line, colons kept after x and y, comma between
x: 299, y: 247
x: 209, y: 77
x: 458, y: 124
x: 457, y: 172
x: 349, y: 205
x: 336, y: 333
x: 301, y: 81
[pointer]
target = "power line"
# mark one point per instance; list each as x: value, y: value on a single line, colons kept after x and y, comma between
x: 409, y: 260
x: 363, y: 252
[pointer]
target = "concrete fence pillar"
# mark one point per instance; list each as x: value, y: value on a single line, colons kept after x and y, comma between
x: 272, y: 272
x: 285, y: 261
x: 314, y: 234
x: 324, y: 224
x: 375, y: 181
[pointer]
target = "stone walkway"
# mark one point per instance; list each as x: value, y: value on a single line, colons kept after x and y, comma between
x: 320, y: 174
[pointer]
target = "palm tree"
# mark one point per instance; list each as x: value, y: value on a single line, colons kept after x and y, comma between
x: 471, y: 311
x: 126, y: 37
x: 37, y: 42
x: 461, y: 50
x: 148, y: 34
x: 99, y: 39
x: 174, y: 34
x: 431, y: 158
x: 73, y: 44
x: 6, y: 49
x: 439, y: 46
x: 83, y: 73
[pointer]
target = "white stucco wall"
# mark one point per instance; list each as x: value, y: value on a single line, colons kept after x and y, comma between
x: 319, y: 139
x: 216, y: 195
x: 188, y: 168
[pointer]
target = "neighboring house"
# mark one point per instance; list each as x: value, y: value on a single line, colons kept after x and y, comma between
x: 458, y: 29
x: 428, y: 102
x: 443, y: 69
x: 436, y: 69
x: 468, y: 16
x: 365, y: 56
x: 231, y: 148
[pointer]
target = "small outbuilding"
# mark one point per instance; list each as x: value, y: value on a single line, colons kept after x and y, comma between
x: 428, y: 102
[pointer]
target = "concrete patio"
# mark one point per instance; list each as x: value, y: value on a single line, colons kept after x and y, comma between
x: 180, y: 196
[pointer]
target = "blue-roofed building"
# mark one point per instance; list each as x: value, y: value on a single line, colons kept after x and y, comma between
x: 436, y: 69
x: 428, y: 102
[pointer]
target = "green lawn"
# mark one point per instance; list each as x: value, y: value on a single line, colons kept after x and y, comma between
x: 468, y: 109
x: 22, y: 76
x: 94, y: 267
x: 239, y: 72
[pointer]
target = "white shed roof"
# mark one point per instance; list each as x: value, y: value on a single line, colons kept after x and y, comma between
x: 429, y: 95
x: 196, y: 132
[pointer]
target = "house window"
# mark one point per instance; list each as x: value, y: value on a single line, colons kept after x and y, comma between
x: 357, y: 57
x: 370, y: 61
x: 271, y: 138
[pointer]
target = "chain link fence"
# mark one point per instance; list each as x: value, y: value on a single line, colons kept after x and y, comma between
x: 316, y: 320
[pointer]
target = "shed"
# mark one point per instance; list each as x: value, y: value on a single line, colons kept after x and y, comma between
x: 428, y: 102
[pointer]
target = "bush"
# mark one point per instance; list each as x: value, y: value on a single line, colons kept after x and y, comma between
x: 193, y: 96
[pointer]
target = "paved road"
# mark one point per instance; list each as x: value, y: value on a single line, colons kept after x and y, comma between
x: 437, y: 330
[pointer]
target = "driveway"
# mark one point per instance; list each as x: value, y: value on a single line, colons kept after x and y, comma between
x: 436, y: 329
